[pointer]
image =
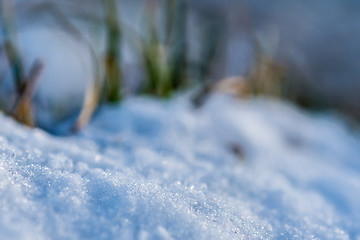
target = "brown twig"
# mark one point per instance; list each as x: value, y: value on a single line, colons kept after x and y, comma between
x: 22, y: 110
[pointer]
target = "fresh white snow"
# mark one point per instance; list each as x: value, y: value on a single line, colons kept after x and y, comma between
x: 151, y: 169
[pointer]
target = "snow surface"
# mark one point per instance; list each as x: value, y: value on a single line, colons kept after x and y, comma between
x: 150, y: 169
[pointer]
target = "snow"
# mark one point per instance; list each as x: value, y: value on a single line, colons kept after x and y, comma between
x: 151, y: 169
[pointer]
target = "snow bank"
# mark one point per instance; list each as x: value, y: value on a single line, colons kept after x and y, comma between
x: 148, y: 169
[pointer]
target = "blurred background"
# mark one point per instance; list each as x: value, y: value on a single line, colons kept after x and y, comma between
x: 303, y: 51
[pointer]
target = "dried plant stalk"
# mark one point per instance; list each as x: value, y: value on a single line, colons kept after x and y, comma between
x: 23, y: 109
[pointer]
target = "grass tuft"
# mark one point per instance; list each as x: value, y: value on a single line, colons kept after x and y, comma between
x: 113, y: 86
x: 164, y: 59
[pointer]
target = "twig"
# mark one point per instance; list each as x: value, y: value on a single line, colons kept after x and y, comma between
x: 22, y: 110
